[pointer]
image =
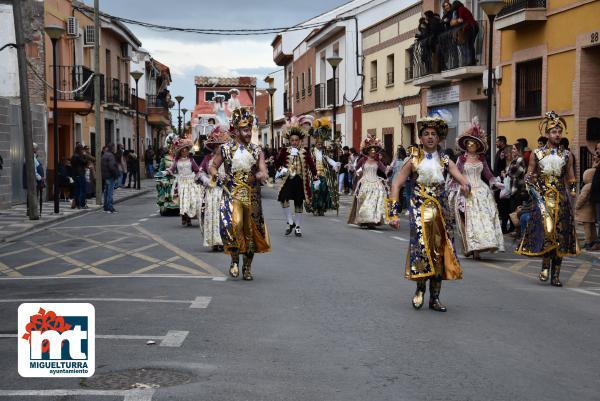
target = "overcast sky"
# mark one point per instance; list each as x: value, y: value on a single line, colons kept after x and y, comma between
x: 188, y: 55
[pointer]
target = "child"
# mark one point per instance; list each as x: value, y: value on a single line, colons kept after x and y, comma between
x: 585, y: 211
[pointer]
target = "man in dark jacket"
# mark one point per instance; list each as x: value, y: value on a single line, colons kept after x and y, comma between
x: 110, y: 173
x: 78, y: 164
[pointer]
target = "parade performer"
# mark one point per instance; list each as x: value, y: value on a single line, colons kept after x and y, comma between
x: 234, y: 101
x: 219, y: 108
x: 431, y: 254
x: 164, y: 183
x: 243, y: 228
x: 368, y: 205
x: 186, y: 188
x: 550, y: 231
x: 297, y: 166
x: 476, y: 215
x: 213, y: 190
x: 324, y: 192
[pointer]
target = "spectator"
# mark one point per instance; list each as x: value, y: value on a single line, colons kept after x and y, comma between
x: 78, y: 165
x: 470, y: 29
x: 110, y: 173
x: 500, y: 161
x: 149, y: 160
x: 564, y: 145
x: 542, y: 140
x: 585, y: 212
x: 595, y: 190
x: 516, y: 171
x: 122, y: 164
x: 504, y: 201
x: 90, y: 173
x: 524, y: 148
x: 343, y: 173
x: 65, y: 179
x: 132, y: 168
x: 447, y: 15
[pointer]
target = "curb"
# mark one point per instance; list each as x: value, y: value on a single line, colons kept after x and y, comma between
x: 46, y: 223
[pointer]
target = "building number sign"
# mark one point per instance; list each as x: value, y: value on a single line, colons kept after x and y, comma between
x: 594, y: 37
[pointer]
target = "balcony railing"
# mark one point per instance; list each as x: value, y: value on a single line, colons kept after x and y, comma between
x: 71, y: 77
x: 390, y: 78
x: 331, y: 95
x: 374, y: 82
x: 447, y: 51
x: 125, y: 96
x: 320, y: 96
x: 517, y: 5
x: 113, y: 91
x: 309, y: 90
x: 303, y: 93
x: 409, y: 73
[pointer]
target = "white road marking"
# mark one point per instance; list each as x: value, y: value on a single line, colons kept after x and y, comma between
x: 577, y: 277
x: 129, y: 395
x: 517, y: 267
x: 143, y: 220
x: 400, y: 239
x: 174, y: 338
x: 219, y: 279
x: 377, y: 231
x: 135, y: 224
x: 201, y: 303
x: 72, y: 276
x: 335, y: 220
x: 579, y: 290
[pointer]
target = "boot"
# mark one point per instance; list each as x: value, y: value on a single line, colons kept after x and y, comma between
x: 419, y: 298
x: 298, y: 232
x: 183, y: 220
x: 555, y: 272
x: 435, y: 286
x: 234, y: 269
x: 289, y: 229
x: 545, y: 273
x: 247, y: 268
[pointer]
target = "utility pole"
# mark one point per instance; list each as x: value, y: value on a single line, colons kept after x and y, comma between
x: 32, y: 202
x: 98, y: 155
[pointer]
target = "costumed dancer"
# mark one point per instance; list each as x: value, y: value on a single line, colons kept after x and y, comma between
x: 324, y: 192
x: 213, y: 190
x: 368, y: 204
x: 550, y: 231
x: 476, y: 215
x: 219, y: 108
x: 186, y: 188
x: 234, y: 101
x: 297, y: 168
x: 164, y: 183
x: 431, y: 254
x: 243, y: 228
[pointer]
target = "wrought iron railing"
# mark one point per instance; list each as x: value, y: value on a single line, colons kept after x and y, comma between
x: 390, y: 78
x: 374, y: 82
x: 72, y: 77
x: 113, y: 91
x: 409, y: 73
x: 453, y: 48
x: 517, y: 5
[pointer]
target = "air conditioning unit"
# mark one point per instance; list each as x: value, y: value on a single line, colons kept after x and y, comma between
x: 89, y: 36
x: 126, y: 51
x: 72, y: 26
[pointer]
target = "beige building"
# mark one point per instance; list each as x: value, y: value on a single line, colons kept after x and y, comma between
x: 392, y: 104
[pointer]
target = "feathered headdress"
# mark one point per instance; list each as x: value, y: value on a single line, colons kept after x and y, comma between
x: 293, y: 127
x: 241, y: 118
x: 321, y: 128
x: 182, y: 143
x: 371, y: 141
x: 218, y: 136
x: 474, y: 133
x: 552, y: 120
x: 440, y: 126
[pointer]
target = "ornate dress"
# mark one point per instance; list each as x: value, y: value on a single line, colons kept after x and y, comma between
x: 189, y: 192
x: 551, y: 225
x: 477, y: 216
x: 164, y: 186
x: 242, y: 224
x: 324, y: 194
x: 368, y: 206
x: 431, y: 252
x: 211, y: 218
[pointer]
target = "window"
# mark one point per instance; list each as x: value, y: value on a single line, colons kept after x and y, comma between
x: 390, y: 70
x: 297, y: 90
x: 408, y: 62
x: 303, y: 87
x: 529, y: 89
x: 209, y: 95
x: 374, y: 75
x: 310, y: 81
x: 336, y: 49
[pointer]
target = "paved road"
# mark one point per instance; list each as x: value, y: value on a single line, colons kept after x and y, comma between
x: 328, y: 317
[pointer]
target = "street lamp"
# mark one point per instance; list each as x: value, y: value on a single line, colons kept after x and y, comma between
x: 491, y: 8
x: 271, y: 91
x: 54, y: 32
x: 334, y: 62
x: 184, y: 111
x: 179, y: 99
x: 136, y: 75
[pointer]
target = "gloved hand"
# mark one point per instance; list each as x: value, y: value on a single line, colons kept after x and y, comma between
x: 294, y: 152
x: 316, y: 184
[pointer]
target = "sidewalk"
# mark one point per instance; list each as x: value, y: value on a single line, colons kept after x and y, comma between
x: 14, y: 221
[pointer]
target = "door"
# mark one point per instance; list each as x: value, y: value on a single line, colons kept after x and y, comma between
x: 108, y: 131
x: 356, y: 126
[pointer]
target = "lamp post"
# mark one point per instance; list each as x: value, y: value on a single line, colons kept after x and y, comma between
x: 54, y: 32
x: 179, y: 99
x: 136, y: 75
x: 184, y: 111
x: 271, y: 91
x: 334, y: 62
x: 491, y: 8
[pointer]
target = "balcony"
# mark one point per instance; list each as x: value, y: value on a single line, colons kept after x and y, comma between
x: 157, y: 110
x: 76, y: 87
x: 331, y: 95
x: 125, y: 97
x: 519, y: 12
x: 279, y: 57
x: 113, y: 92
x: 446, y: 57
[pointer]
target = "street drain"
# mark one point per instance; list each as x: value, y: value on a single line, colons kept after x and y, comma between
x: 137, y: 379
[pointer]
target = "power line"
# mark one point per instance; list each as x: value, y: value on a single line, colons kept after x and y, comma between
x: 208, y: 31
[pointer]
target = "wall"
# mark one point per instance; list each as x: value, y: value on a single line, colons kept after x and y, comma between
x: 305, y: 103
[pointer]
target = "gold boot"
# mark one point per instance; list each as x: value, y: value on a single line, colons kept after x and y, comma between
x: 247, y: 268
x: 555, y: 273
x: 545, y: 273
x: 419, y: 298
x: 234, y: 269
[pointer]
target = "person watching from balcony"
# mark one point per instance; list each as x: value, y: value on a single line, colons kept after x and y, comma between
x: 448, y: 15
x: 463, y: 18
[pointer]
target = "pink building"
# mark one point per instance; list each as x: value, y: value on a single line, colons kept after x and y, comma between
x: 208, y: 87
